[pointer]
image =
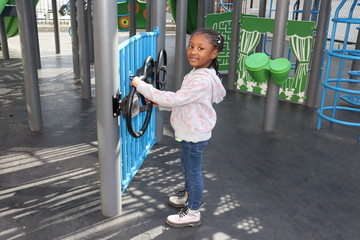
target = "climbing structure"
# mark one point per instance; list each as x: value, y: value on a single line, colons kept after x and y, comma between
x: 341, y: 93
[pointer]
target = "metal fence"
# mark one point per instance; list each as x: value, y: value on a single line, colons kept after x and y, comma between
x: 44, y: 12
x: 132, y: 53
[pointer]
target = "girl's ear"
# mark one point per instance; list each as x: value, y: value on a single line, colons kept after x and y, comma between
x: 214, y: 54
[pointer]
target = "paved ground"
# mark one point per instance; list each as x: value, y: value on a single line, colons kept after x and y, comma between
x: 296, y: 183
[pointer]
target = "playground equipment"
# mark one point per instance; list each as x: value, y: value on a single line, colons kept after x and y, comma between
x: 137, y: 57
x: 260, y: 67
x: 123, y: 15
x: 11, y: 23
x: 300, y: 36
x: 332, y: 88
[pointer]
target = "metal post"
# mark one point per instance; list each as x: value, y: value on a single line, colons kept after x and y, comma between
x: 31, y: 80
x: 84, y: 52
x: 158, y: 18
x: 106, y: 82
x: 306, y: 14
x: 74, y: 40
x: 35, y: 33
x: 148, y: 16
x: 90, y: 30
x: 262, y: 12
x: 180, y: 42
x: 201, y: 13
x: 234, y: 42
x: 277, y: 51
x: 4, y: 43
x: 56, y: 26
x: 211, y: 6
x: 319, y: 49
x: 355, y: 66
x: 132, y: 28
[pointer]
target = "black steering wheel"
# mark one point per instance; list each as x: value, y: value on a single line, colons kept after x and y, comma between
x: 133, y: 108
x: 160, y: 72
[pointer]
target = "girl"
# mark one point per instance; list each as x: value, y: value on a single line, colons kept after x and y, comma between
x: 193, y: 117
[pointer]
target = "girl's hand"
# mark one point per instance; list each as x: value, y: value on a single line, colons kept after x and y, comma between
x: 154, y: 104
x: 135, y: 81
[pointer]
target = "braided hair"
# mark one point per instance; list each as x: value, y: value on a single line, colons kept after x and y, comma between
x: 216, y: 40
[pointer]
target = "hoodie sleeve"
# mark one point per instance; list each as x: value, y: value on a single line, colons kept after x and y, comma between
x: 191, y: 90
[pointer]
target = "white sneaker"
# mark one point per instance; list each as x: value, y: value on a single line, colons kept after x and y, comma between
x: 185, y: 218
x: 180, y: 200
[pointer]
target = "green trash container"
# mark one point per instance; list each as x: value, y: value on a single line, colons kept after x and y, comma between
x: 280, y: 69
x: 257, y: 65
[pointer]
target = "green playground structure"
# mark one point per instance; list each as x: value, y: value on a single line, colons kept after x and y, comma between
x: 11, y: 23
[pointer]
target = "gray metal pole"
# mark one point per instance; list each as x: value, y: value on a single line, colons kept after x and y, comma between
x: 90, y: 30
x: 234, y: 43
x: 148, y: 16
x: 318, y: 56
x: 262, y: 12
x: 56, y: 26
x: 74, y: 40
x: 211, y: 6
x: 306, y: 14
x: 277, y: 51
x: 180, y: 42
x: 31, y: 80
x: 201, y: 13
x: 106, y: 78
x: 158, y: 18
x: 84, y: 52
x: 132, y: 29
x: 4, y: 43
x: 35, y: 33
x: 355, y: 66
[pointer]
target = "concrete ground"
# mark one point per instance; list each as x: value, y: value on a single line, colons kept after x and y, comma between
x: 296, y: 183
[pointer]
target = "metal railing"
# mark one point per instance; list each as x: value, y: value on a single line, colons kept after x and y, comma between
x: 132, y: 53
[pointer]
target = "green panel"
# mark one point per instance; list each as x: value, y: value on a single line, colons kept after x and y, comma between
x: 2, y: 5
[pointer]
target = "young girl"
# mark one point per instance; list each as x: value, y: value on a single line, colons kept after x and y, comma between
x: 193, y: 117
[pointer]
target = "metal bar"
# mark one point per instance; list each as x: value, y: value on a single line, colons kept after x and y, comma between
x: 107, y: 75
x: 158, y: 18
x: 90, y: 30
x: 235, y: 35
x: 4, y: 42
x: 355, y: 66
x: 74, y: 39
x: 132, y: 28
x: 84, y: 52
x: 306, y: 14
x: 180, y: 42
x: 148, y: 16
x: 32, y: 92
x: 277, y: 51
x: 56, y: 26
x: 201, y: 13
x: 262, y: 12
x: 35, y: 33
x: 318, y: 56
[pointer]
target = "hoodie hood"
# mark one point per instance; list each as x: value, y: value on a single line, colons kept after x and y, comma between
x: 218, y: 90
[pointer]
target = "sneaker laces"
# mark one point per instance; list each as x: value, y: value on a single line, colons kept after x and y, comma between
x: 183, y: 212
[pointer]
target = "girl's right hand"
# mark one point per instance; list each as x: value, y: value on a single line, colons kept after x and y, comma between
x: 135, y: 81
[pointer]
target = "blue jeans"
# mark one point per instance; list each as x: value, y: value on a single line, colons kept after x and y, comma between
x: 191, y: 163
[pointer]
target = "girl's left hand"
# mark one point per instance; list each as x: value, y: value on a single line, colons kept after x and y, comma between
x: 135, y: 81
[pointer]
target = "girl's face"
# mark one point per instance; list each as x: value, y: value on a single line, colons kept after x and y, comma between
x: 200, y: 51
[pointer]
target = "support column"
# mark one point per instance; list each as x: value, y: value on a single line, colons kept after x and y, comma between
x: 262, y: 12
x: 234, y: 42
x: 84, y: 52
x: 132, y: 28
x: 90, y: 30
x: 56, y: 25
x: 318, y: 56
x: 277, y: 51
x: 180, y: 42
x: 201, y: 13
x: 32, y: 92
x: 35, y: 33
x: 4, y: 42
x: 158, y: 18
x: 74, y: 40
x: 306, y: 14
x: 106, y: 82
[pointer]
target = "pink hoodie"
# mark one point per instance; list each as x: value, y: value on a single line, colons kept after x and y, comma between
x: 193, y: 116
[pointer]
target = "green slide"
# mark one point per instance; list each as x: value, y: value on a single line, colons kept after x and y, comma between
x: 11, y: 23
